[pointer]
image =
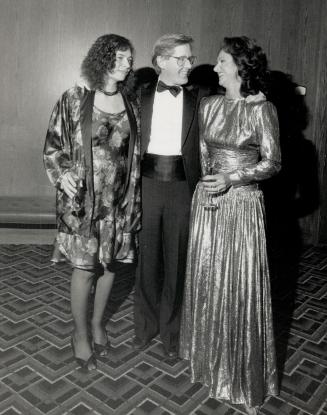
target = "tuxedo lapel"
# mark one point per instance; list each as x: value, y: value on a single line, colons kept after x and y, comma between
x: 147, y: 97
x: 133, y: 136
x: 189, y: 104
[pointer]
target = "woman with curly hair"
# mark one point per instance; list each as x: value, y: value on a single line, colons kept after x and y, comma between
x: 227, y: 327
x: 91, y: 156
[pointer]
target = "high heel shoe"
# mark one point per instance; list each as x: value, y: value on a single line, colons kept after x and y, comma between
x: 84, y: 364
x: 102, y: 349
x: 252, y: 410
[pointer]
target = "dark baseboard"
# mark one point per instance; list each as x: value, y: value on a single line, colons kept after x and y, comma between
x: 28, y: 225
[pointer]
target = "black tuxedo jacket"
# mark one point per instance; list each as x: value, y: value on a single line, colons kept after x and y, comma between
x: 190, y: 128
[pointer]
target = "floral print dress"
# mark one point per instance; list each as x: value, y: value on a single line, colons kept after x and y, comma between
x: 106, y: 229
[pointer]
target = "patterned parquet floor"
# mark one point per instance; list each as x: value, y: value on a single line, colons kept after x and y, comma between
x: 39, y: 376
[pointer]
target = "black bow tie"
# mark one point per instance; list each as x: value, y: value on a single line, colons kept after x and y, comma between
x: 173, y: 89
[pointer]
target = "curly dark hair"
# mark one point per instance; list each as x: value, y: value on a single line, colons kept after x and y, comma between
x: 101, y: 57
x: 251, y: 62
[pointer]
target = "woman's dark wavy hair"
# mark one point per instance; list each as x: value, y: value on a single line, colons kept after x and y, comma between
x: 251, y: 62
x: 101, y: 57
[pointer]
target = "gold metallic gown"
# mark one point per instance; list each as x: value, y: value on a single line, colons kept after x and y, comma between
x: 227, y: 328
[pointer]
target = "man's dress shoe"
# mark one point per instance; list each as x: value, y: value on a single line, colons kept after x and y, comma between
x: 140, y: 344
x: 171, y: 353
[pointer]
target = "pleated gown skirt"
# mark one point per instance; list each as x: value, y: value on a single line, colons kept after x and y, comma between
x: 227, y: 326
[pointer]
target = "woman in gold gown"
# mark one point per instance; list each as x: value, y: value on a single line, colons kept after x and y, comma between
x: 227, y: 327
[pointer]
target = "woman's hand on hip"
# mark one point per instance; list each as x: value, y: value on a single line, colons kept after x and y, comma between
x: 216, y: 183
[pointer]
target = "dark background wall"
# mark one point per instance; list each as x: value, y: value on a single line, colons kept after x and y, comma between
x: 42, y: 43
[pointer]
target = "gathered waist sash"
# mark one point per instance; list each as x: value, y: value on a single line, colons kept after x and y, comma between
x: 226, y: 160
x: 163, y: 168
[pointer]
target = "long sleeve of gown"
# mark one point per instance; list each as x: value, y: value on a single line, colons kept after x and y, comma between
x: 57, y: 149
x: 267, y: 131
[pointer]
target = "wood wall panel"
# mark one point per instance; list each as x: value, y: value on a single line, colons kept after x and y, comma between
x: 42, y: 43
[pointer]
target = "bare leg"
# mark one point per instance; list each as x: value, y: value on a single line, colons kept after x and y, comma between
x: 80, y: 288
x: 102, y: 292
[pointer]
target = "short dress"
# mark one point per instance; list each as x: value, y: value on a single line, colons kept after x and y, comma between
x: 110, y: 137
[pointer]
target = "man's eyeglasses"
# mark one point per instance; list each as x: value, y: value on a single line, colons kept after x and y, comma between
x: 181, y: 60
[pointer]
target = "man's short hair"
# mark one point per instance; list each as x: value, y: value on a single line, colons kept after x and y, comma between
x: 166, y: 43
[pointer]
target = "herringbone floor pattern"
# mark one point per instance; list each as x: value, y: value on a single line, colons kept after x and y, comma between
x: 39, y: 376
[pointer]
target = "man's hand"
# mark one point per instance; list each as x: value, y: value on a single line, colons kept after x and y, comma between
x: 259, y: 97
x: 216, y: 183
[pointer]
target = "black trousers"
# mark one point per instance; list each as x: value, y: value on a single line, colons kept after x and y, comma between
x: 161, y: 271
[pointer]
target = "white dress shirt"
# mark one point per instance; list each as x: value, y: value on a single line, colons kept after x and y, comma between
x: 166, y: 124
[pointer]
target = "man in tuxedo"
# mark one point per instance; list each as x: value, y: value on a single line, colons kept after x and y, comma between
x: 170, y: 170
